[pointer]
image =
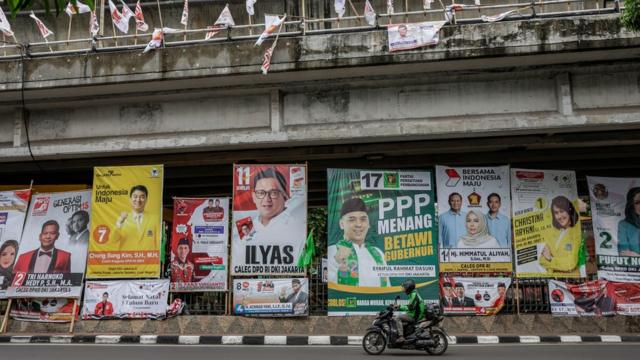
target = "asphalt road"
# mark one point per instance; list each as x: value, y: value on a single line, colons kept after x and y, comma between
x: 193, y: 352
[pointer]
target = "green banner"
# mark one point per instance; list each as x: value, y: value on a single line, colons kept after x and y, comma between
x: 381, y: 231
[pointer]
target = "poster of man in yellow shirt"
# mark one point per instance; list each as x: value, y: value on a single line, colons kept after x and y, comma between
x: 126, y: 225
x: 547, y: 234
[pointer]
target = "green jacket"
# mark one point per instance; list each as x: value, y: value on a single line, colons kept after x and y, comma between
x: 415, y: 308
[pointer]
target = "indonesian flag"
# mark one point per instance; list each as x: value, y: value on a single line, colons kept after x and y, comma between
x: 94, y: 27
x: 140, y: 24
x: 184, y: 20
x: 225, y: 18
x: 497, y: 17
x: 339, y: 6
x: 266, y: 61
x: 118, y: 19
x: 369, y: 13
x: 426, y: 4
x: 272, y: 23
x: 250, y: 9
x: 43, y: 29
x: 213, y: 31
x: 5, y: 27
x: 390, y: 7
x: 158, y: 37
x: 126, y: 12
x: 82, y: 8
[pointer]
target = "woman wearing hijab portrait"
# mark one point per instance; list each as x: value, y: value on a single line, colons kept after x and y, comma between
x: 562, y: 242
x: 629, y: 227
x: 477, y: 235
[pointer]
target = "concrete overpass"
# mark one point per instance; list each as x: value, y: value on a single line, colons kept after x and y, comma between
x: 556, y: 92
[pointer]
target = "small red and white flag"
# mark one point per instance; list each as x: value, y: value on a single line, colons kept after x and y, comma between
x: 184, y: 20
x: 43, y: 29
x: 390, y: 7
x: 498, y: 17
x: 426, y: 4
x: 450, y: 11
x: 369, y: 13
x: 158, y: 37
x: 126, y: 12
x: 139, y: 16
x: 250, y: 9
x: 272, y: 23
x: 5, y: 27
x: 82, y: 8
x: 213, y: 31
x: 266, y: 61
x: 118, y: 19
x: 94, y: 27
x: 339, y: 6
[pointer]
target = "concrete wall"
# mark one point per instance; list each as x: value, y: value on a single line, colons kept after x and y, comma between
x: 540, y: 324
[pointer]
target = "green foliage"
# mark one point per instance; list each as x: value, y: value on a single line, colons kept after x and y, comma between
x: 631, y: 15
x: 317, y: 220
x: 59, y: 5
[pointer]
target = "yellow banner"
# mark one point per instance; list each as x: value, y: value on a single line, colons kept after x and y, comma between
x: 126, y: 227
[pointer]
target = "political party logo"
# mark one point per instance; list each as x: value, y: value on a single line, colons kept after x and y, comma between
x: 474, y: 199
x: 453, y: 177
x: 41, y: 206
x: 154, y: 172
x: 600, y: 191
x: 391, y: 180
x: 557, y: 295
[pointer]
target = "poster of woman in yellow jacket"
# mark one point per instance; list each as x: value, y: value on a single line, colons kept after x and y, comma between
x: 562, y: 242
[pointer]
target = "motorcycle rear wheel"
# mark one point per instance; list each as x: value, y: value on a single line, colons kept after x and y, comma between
x: 441, y: 343
x: 374, y: 342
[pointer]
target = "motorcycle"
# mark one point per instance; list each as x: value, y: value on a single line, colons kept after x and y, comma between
x: 424, y: 335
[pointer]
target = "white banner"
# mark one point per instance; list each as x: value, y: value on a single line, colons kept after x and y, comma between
x: 53, y: 251
x: 615, y: 207
x: 13, y: 210
x: 412, y: 36
x: 474, y: 213
x: 473, y: 296
x: 271, y: 297
x: 125, y: 299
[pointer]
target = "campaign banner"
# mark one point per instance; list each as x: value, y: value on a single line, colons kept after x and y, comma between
x: 587, y: 299
x: 126, y: 229
x: 473, y: 296
x: 271, y: 297
x: 56, y: 310
x: 199, y: 244
x: 325, y: 270
x: 125, y: 299
x: 13, y: 210
x: 615, y: 209
x: 381, y: 231
x: 269, y: 226
x: 546, y: 224
x: 413, y: 36
x: 53, y: 250
x: 474, y: 222
x: 626, y: 297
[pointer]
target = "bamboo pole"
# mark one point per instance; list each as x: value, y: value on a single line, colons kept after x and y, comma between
x: 69, y: 29
x: 353, y: 8
x: 73, y: 315
x: 115, y: 36
x: 304, y: 16
x: 5, y: 320
x: 4, y: 44
x: 101, y: 18
x: 250, y: 27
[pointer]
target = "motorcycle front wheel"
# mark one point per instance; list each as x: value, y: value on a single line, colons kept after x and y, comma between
x: 440, y: 343
x: 374, y: 342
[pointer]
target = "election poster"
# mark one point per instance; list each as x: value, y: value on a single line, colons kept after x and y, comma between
x: 269, y: 226
x: 53, y: 250
x: 271, y: 297
x: 412, y: 36
x: 474, y: 219
x: 615, y: 209
x: 126, y: 229
x: 58, y: 310
x: 546, y: 224
x: 626, y: 297
x: 13, y: 210
x: 381, y: 231
x: 199, y: 244
x: 125, y: 299
x: 473, y: 296
x: 587, y: 299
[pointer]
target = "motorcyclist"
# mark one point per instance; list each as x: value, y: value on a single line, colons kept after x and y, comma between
x: 415, y: 309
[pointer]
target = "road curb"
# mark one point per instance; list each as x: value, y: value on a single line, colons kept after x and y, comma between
x: 280, y: 340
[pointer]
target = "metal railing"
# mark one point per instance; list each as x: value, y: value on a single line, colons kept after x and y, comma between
x: 305, y: 25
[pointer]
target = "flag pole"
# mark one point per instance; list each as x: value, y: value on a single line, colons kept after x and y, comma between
x: 4, y: 44
x: 73, y: 316
x: 406, y: 10
x: 135, y: 39
x: 69, y: 30
x: 250, y: 25
x: 49, y: 46
x: 160, y: 15
x: 353, y: 8
x: 101, y: 18
x: 5, y: 320
x: 115, y: 36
